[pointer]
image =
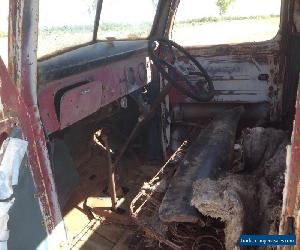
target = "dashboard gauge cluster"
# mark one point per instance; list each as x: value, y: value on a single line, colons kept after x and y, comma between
x: 136, y: 75
x: 142, y: 72
x: 130, y: 76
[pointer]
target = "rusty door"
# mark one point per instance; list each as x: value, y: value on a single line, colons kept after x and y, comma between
x: 35, y: 219
x: 242, y: 71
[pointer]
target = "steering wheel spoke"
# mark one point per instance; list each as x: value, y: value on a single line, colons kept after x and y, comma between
x: 179, y: 73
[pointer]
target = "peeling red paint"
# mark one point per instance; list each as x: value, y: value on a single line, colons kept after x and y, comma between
x: 113, y: 83
x: 14, y: 105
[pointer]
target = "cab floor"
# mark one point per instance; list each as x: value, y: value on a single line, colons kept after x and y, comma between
x: 85, y: 231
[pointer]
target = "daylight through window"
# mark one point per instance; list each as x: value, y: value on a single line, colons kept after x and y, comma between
x: 129, y: 19
x: 210, y: 22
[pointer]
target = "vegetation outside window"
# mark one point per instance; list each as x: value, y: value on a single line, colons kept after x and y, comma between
x: 211, y: 22
x: 64, y: 24
x: 130, y: 19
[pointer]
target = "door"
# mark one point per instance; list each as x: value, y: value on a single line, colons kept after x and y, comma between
x: 20, y: 214
x: 30, y: 214
x: 238, y: 43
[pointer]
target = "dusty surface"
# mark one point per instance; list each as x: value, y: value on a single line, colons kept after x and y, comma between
x: 206, y: 233
x: 86, y: 232
x: 249, y: 202
x: 229, y: 202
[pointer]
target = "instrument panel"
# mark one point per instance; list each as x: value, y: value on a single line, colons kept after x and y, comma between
x: 65, y: 101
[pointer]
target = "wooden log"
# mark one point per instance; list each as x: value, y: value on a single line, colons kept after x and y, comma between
x: 208, y: 157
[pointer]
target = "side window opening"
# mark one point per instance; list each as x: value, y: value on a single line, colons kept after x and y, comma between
x: 212, y: 22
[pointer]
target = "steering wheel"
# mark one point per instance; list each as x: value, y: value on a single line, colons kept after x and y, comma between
x: 181, y: 69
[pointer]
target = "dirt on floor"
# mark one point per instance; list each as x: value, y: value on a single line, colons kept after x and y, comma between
x: 86, y: 229
x: 247, y: 200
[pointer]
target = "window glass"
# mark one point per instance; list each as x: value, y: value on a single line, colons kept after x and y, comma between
x: 128, y: 19
x: 4, y: 30
x: 210, y: 22
x: 65, y: 23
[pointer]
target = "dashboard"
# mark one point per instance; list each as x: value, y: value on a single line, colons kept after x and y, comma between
x: 76, y: 84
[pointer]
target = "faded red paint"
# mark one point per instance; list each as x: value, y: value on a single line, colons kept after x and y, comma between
x: 14, y: 105
x: 80, y: 102
x: 112, y: 80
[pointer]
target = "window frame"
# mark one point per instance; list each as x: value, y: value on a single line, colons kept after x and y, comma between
x: 94, y: 38
x: 154, y: 24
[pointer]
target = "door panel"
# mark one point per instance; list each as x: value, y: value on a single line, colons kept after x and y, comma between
x: 39, y: 198
x: 235, y: 45
x: 24, y: 209
x: 245, y: 73
x: 236, y: 78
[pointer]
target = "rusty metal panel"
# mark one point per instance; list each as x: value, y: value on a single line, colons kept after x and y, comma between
x: 237, y: 79
x: 14, y: 106
x: 291, y: 193
x: 265, y: 56
x: 80, y: 102
x: 19, y: 97
x: 114, y: 82
x: 111, y: 90
x: 87, y: 58
x: 242, y: 73
x: 254, y: 49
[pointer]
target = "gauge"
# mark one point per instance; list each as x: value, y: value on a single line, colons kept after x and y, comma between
x: 131, y: 76
x: 142, y: 72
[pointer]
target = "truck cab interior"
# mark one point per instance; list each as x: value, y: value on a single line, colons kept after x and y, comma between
x: 158, y: 114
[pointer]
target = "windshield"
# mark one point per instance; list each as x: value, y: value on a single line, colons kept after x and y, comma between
x: 129, y: 19
x: 65, y: 23
x: 68, y: 23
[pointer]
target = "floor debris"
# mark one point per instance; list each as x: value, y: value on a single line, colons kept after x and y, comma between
x: 244, y: 200
x: 227, y: 198
x: 248, y: 202
x: 209, y: 156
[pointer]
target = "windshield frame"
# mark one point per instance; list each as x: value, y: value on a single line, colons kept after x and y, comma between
x: 159, y: 20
